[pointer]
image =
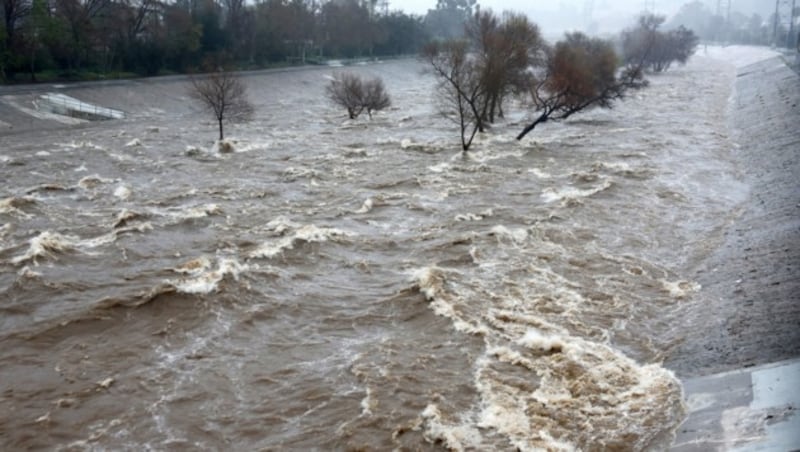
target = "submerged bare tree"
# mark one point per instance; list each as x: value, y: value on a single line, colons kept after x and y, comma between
x: 348, y: 90
x: 375, y: 96
x: 656, y: 49
x: 223, y: 94
x: 477, y: 75
x: 460, y: 88
x: 504, y: 48
x: 580, y: 73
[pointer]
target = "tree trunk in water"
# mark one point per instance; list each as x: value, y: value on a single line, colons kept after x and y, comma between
x: 542, y: 118
x: 220, y: 129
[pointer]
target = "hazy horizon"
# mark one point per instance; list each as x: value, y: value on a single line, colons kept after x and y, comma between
x: 608, y: 15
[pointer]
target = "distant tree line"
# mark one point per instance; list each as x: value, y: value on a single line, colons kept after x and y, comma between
x: 733, y: 28
x: 65, y: 38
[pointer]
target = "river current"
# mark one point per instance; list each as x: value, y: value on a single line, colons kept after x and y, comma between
x: 356, y: 285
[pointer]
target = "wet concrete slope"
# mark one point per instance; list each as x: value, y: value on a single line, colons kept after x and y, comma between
x: 749, y: 309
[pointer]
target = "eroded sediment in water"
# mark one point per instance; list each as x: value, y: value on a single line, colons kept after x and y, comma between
x: 358, y: 284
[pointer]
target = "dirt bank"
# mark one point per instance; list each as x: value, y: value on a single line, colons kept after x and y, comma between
x: 748, y: 311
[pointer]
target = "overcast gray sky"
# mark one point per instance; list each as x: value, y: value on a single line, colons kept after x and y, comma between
x: 555, y: 16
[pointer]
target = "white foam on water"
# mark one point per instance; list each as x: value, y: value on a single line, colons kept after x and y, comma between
x: 192, y: 151
x: 680, y: 289
x: 133, y: 143
x: 293, y: 234
x: 475, y: 216
x: 539, y: 173
x: 568, y: 195
x: 112, y: 236
x: 542, y: 387
x: 46, y: 244
x: 535, y: 339
x: 194, y: 266
x: 81, y: 145
x: 14, y: 205
x: 190, y: 212
x: 623, y: 169
x: 440, y: 167
x: 366, y: 206
x: 49, y: 244
x: 291, y: 174
x: 201, y: 278
x: 516, y: 235
x: 242, y: 147
x: 431, y: 283
x: 93, y: 181
x: 455, y: 437
x: 224, y: 147
x: 26, y: 272
x: 410, y: 145
x: 368, y: 403
x: 122, y: 192
x: 578, y: 392
x: 124, y: 217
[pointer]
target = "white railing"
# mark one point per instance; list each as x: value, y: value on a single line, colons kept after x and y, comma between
x: 69, y: 106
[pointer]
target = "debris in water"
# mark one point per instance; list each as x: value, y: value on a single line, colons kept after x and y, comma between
x: 105, y: 384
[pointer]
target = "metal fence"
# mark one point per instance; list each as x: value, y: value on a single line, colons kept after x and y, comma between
x: 69, y: 106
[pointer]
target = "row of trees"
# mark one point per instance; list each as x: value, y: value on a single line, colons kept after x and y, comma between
x: 501, y: 57
x: 504, y: 57
x: 151, y: 36
x: 652, y: 48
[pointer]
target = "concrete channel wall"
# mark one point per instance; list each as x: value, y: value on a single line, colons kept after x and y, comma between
x: 752, y: 311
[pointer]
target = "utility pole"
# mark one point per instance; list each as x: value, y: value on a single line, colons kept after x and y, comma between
x: 784, y: 14
x: 775, y: 25
x: 790, y: 35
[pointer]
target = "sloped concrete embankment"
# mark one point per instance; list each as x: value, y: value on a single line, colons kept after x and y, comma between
x: 748, y: 313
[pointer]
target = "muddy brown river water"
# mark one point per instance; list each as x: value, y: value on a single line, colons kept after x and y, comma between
x: 356, y: 285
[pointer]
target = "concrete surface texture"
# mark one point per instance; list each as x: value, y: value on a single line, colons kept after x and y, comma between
x: 748, y: 313
x: 748, y: 322
x: 749, y: 410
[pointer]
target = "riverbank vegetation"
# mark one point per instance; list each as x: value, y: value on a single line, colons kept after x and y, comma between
x: 45, y: 40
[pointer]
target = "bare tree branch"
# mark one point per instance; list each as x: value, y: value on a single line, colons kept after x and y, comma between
x: 356, y: 95
x: 224, y: 95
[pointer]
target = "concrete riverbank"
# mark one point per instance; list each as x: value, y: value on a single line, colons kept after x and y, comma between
x: 739, y: 360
